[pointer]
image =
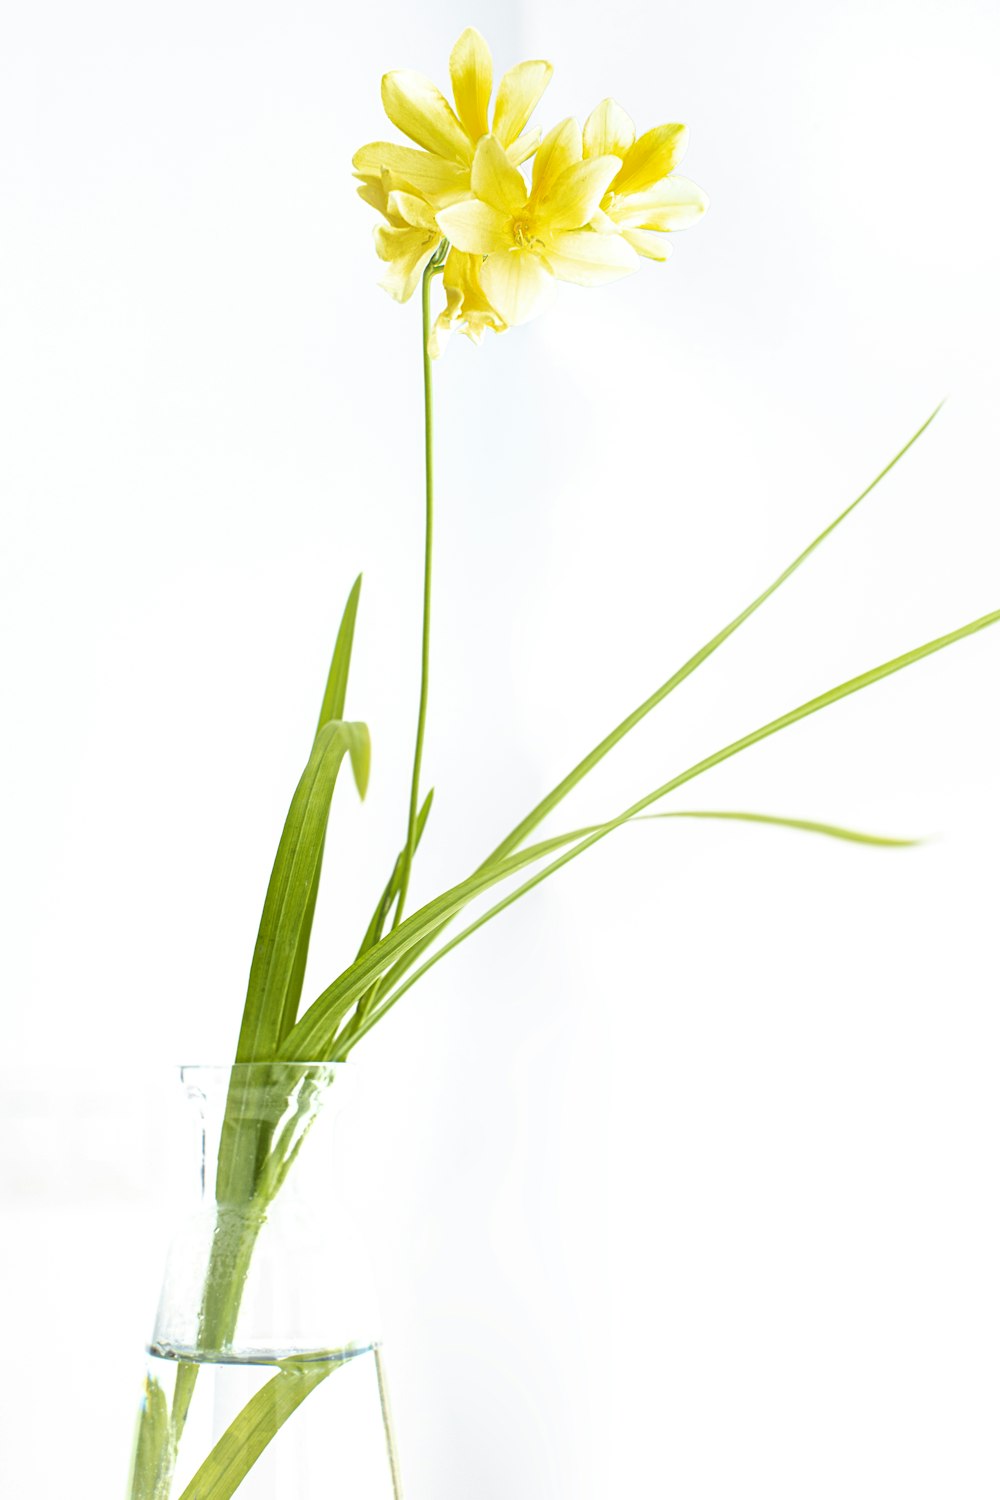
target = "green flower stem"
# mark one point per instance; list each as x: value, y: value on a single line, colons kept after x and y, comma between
x: 432, y: 268
x: 400, y: 878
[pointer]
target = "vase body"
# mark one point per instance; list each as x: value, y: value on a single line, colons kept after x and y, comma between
x: 265, y: 1376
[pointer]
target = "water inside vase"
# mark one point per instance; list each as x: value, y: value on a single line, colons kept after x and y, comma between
x: 318, y: 1423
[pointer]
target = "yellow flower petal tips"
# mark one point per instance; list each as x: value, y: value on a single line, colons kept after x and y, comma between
x: 600, y: 198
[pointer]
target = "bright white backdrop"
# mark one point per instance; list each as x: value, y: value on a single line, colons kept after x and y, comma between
x: 681, y: 1179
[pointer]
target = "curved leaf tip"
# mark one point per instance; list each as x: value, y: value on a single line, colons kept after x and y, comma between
x: 360, y: 750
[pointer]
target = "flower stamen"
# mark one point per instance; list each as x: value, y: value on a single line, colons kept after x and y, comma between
x: 523, y: 237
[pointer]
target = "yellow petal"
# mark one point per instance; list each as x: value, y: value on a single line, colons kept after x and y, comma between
x: 560, y: 149
x: 417, y: 170
x: 402, y: 243
x: 472, y: 81
x: 401, y: 281
x: 526, y: 145
x: 517, y: 284
x: 419, y: 109
x: 445, y: 321
x: 410, y: 209
x: 648, y: 243
x: 460, y: 278
x: 407, y: 251
x: 576, y: 195
x: 653, y: 156
x: 589, y: 259
x: 495, y: 181
x: 475, y: 304
x: 475, y: 227
x: 603, y: 223
x: 674, y: 204
x: 467, y: 307
x: 520, y: 90
x: 608, y: 131
x: 374, y: 190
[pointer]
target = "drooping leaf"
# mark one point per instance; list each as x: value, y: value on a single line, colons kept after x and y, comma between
x: 552, y: 800
x: 813, y: 705
x: 268, y: 1015
x: 316, y: 1033
x: 802, y: 825
x: 617, y: 734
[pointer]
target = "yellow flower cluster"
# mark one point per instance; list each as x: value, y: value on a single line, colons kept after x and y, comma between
x: 600, y: 197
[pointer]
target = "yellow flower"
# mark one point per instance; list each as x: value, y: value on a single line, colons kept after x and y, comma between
x: 467, y: 307
x: 440, y: 171
x: 646, y: 198
x: 408, y: 237
x: 531, y: 239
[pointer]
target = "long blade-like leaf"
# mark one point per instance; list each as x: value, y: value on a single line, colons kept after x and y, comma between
x: 314, y: 1035
x: 335, y: 696
x: 552, y: 800
x: 353, y: 1032
x: 381, y: 914
x: 533, y: 818
x: 376, y: 926
x: 813, y: 705
x: 334, y: 701
x: 803, y: 825
x: 153, y: 1456
x: 269, y: 1012
x: 245, y: 1439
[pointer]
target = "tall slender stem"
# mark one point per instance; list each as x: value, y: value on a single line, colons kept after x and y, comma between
x: 433, y: 266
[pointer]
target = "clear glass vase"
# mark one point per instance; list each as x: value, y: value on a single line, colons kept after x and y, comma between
x: 265, y: 1374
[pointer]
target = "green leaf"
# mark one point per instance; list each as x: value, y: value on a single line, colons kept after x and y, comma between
x: 245, y: 1439
x: 153, y: 1454
x: 548, y: 803
x: 335, y: 696
x: 631, y: 814
x: 334, y: 700
x: 314, y: 1036
x: 270, y: 1004
x: 381, y: 914
x: 803, y: 825
x: 588, y: 763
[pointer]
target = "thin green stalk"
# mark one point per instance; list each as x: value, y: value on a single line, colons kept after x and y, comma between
x: 430, y: 271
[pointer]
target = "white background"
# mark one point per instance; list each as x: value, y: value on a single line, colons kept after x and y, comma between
x: 681, y: 1179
